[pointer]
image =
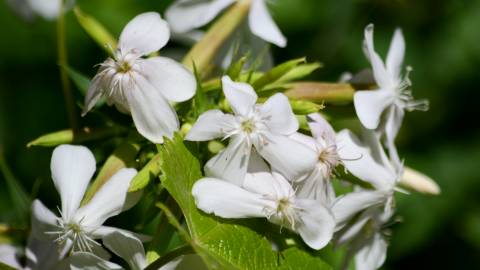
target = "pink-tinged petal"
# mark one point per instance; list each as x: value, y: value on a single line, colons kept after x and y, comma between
x: 210, y: 125
x: 241, y: 96
x: 262, y: 25
x: 72, y: 168
x: 172, y: 79
x: 226, y: 200
x: 144, y: 34
x: 279, y: 115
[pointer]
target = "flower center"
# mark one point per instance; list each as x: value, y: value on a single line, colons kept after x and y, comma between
x: 123, y: 66
x: 248, y: 126
x: 286, y: 212
x: 81, y: 240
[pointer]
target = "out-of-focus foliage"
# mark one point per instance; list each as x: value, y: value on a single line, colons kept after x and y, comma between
x: 443, y: 47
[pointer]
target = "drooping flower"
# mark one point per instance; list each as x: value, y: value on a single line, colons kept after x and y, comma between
x: 268, y: 195
x: 187, y: 15
x: 129, y: 248
x: 143, y: 86
x: 362, y: 215
x: 77, y: 226
x: 266, y: 127
x: 393, y: 95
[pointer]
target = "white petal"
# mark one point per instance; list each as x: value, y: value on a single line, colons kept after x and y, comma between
x: 370, y: 105
x: 43, y: 220
x: 94, y: 93
x: 306, y: 140
x: 172, y: 79
x: 88, y: 261
x: 102, y: 231
x: 227, y: 200
x: 279, y: 115
x: 241, y: 96
x: 72, y: 168
x: 317, y: 223
x: 108, y: 201
x: 396, y: 53
x: 359, y: 162
x: 257, y: 164
x: 293, y: 159
x: 231, y: 163
x: 269, y: 184
x: 348, y: 233
x: 49, y: 9
x: 320, y: 128
x: 186, y: 15
x: 316, y: 187
x: 393, y: 123
x: 347, y: 206
x: 8, y: 255
x: 210, y: 125
x: 144, y: 34
x: 373, y: 255
x: 128, y: 248
x: 44, y: 253
x: 382, y: 77
x: 262, y: 25
x: 154, y: 117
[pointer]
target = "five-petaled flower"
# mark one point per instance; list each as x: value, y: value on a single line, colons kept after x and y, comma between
x: 266, y: 127
x: 77, y: 227
x: 143, y: 86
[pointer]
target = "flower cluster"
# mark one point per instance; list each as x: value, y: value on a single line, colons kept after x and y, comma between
x: 271, y: 168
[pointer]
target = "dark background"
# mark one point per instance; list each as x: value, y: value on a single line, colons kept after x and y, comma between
x: 443, y: 47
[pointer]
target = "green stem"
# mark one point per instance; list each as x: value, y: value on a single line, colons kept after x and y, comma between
x: 63, y: 62
x: 170, y: 256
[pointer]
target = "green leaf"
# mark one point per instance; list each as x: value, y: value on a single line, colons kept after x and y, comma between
x: 81, y: 81
x: 20, y: 199
x: 223, y: 244
x: 276, y: 73
x: 5, y: 267
x: 145, y: 175
x: 96, y: 31
x: 236, y: 68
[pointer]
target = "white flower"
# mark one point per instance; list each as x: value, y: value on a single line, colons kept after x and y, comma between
x: 393, y: 95
x: 9, y: 254
x: 143, y: 86
x: 129, y: 248
x: 48, y: 9
x: 316, y: 184
x: 72, y: 168
x: 268, y: 195
x: 265, y: 126
x: 186, y: 15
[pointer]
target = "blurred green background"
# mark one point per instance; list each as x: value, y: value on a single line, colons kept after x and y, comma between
x: 443, y: 47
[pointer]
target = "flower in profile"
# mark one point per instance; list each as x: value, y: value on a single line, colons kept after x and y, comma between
x: 266, y: 127
x: 393, y: 95
x: 268, y: 195
x: 77, y: 226
x: 143, y: 86
x: 187, y: 15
